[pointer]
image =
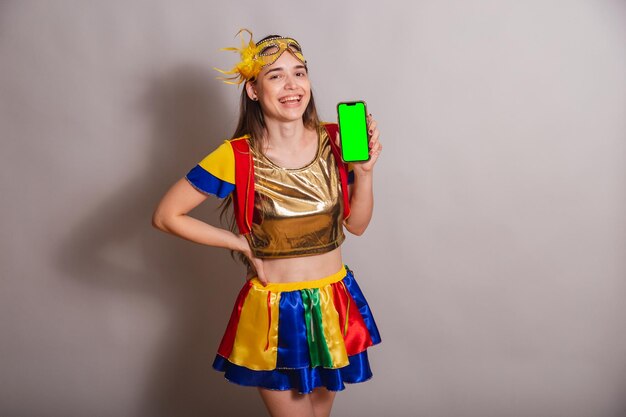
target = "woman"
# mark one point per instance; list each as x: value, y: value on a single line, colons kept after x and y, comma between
x: 301, y: 326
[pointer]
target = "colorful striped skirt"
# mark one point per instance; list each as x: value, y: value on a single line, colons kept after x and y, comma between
x: 300, y: 335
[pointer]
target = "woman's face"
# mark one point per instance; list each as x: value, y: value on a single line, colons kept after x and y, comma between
x: 283, y: 89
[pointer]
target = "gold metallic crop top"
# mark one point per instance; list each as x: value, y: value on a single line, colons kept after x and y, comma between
x: 297, y: 211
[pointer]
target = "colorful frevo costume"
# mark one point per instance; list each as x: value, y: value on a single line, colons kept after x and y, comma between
x: 297, y: 335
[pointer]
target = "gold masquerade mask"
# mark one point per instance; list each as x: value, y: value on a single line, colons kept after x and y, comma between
x: 271, y: 49
x: 254, y: 57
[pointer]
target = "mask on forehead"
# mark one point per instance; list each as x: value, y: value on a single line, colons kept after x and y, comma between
x: 254, y: 57
x: 271, y: 49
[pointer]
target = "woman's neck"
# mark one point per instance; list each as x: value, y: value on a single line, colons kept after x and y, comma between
x: 285, y: 135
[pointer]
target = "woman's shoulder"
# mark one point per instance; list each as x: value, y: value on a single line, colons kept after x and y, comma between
x: 224, y: 151
x: 241, y: 143
x: 244, y: 138
x: 329, y: 128
x: 215, y: 173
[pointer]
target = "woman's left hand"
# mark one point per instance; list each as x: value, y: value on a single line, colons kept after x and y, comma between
x: 361, y: 191
x: 375, y: 148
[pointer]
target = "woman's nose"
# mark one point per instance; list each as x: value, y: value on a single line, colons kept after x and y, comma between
x: 290, y: 82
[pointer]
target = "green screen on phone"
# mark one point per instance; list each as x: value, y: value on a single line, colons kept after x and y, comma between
x: 353, y: 131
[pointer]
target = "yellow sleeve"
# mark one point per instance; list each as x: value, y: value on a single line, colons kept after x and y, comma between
x: 215, y: 174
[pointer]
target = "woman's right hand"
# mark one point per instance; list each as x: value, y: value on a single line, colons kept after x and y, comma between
x: 257, y: 263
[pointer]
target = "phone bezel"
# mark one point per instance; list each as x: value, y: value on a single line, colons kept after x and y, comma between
x: 351, y: 103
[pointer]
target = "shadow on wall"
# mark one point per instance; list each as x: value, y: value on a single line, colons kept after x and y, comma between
x: 195, y: 285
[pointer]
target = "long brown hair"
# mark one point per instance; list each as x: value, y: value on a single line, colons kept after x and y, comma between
x: 252, y: 123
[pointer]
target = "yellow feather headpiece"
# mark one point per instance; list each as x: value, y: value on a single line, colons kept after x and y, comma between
x: 254, y: 57
x: 249, y: 67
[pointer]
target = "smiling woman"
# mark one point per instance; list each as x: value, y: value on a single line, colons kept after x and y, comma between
x: 283, y: 89
x: 300, y: 327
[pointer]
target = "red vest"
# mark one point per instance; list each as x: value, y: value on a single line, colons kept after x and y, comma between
x: 244, y: 179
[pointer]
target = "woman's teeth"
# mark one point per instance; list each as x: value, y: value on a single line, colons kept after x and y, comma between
x: 290, y: 99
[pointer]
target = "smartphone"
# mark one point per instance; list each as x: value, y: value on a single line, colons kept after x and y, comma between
x: 352, y: 117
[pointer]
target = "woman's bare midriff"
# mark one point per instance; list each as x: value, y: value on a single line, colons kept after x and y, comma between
x: 303, y: 268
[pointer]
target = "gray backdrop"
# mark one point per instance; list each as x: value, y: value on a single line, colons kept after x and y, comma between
x: 494, y: 264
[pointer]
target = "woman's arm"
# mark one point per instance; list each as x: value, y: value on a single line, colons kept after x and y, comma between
x: 361, y: 204
x: 362, y: 191
x: 171, y: 216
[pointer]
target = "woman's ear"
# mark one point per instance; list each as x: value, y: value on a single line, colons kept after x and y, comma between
x: 251, y: 91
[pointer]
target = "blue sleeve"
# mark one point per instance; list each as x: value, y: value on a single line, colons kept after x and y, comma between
x: 215, y: 174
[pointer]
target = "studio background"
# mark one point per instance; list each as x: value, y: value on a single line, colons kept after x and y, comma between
x: 495, y: 260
